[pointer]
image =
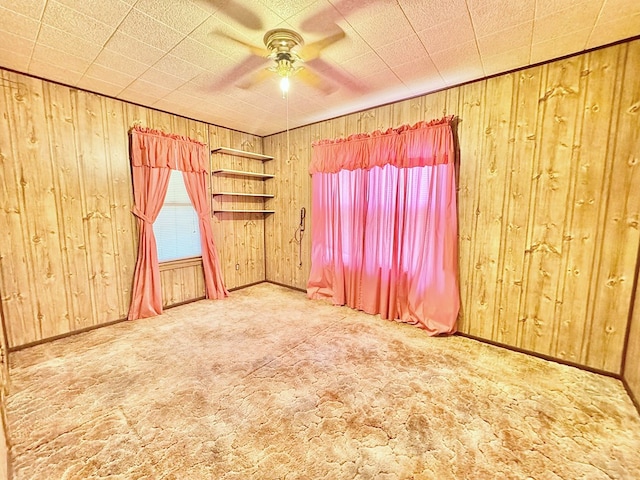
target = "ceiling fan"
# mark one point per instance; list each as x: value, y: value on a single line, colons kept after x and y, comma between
x: 281, y: 48
x: 281, y: 42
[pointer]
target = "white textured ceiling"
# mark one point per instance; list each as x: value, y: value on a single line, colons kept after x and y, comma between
x: 177, y: 55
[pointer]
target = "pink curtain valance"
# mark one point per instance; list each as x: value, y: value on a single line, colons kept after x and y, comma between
x: 156, y: 149
x: 423, y: 144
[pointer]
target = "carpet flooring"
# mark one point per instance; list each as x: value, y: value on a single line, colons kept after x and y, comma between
x: 269, y: 385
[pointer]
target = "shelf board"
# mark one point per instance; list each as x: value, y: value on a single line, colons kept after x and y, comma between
x: 242, y: 173
x: 242, y: 153
x: 222, y: 210
x: 238, y: 194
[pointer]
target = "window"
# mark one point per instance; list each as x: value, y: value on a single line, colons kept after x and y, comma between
x: 176, y: 229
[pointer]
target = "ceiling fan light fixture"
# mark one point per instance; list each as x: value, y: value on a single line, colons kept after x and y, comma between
x: 284, y: 67
x: 281, y: 43
x: 284, y: 85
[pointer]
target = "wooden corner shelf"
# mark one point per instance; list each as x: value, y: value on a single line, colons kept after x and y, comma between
x: 231, y: 210
x: 242, y: 153
x: 239, y: 194
x: 220, y: 188
x: 242, y: 173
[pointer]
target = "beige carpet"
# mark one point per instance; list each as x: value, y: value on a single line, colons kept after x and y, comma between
x: 270, y: 385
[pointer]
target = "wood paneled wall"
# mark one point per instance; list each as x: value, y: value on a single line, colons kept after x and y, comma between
x: 292, y: 189
x: 66, y: 194
x: 5, y: 459
x: 631, y: 371
x: 239, y: 237
x: 548, y: 200
x: 69, y: 239
x: 181, y: 282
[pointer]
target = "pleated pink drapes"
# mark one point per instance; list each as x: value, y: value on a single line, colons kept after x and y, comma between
x: 196, y: 183
x: 153, y: 155
x: 384, y: 232
x: 149, y: 189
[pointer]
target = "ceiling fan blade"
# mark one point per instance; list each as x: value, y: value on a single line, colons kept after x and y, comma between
x: 258, y: 77
x: 258, y: 51
x: 333, y: 73
x: 241, y: 14
x: 314, y: 80
x: 321, y: 21
x: 312, y: 51
x: 248, y: 65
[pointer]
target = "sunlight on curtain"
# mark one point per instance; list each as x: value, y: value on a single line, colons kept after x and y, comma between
x: 384, y: 239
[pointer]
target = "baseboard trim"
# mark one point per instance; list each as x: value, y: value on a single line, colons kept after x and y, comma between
x: 287, y: 286
x: 185, y: 302
x: 246, y: 286
x: 65, y: 335
x: 112, y: 322
x: 632, y: 396
x: 92, y: 327
x: 549, y: 358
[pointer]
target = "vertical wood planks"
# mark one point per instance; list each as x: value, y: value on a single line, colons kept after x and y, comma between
x: 407, y: 111
x: 43, y: 280
x: 96, y: 189
x: 61, y: 123
x: 292, y: 189
x: 586, y: 203
x: 631, y: 371
x: 558, y: 104
x: 18, y: 299
x: 517, y: 201
x: 121, y: 202
x: 5, y: 467
x: 272, y: 222
x: 281, y: 226
x: 492, y: 176
x: 4, y: 391
x: 471, y: 110
x: 181, y: 284
x: 5, y: 458
x: 629, y: 114
x: 619, y: 246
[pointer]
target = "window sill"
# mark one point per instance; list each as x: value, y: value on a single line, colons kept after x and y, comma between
x: 181, y: 263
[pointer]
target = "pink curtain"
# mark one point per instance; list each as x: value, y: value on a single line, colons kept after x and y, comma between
x: 404, y: 147
x: 153, y: 148
x: 196, y: 183
x: 384, y: 235
x: 149, y: 189
x: 153, y: 155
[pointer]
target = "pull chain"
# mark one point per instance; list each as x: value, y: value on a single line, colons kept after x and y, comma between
x: 299, y: 233
x: 288, y: 154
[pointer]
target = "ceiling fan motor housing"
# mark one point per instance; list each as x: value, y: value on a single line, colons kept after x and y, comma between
x: 281, y: 43
x: 282, y: 40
